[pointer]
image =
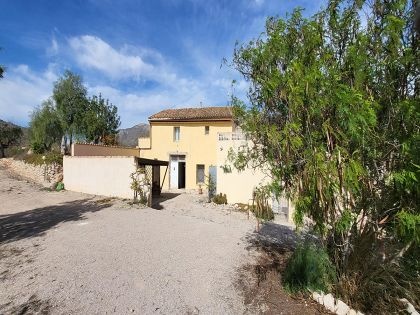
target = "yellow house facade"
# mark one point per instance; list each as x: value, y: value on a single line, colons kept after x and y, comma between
x: 188, y: 139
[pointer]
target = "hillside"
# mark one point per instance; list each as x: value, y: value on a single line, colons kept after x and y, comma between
x: 129, y: 136
x: 25, y: 139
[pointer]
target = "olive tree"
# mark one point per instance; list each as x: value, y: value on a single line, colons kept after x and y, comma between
x: 9, y: 135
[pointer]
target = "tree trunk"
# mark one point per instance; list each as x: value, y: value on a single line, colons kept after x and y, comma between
x: 63, y: 147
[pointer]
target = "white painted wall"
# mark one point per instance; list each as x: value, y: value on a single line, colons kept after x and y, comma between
x: 106, y: 176
x: 239, y: 186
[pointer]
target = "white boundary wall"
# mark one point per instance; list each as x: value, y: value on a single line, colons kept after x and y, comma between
x: 99, y: 175
x: 238, y: 186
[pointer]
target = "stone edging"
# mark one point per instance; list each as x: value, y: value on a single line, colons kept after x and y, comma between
x: 340, y: 308
x: 334, y: 305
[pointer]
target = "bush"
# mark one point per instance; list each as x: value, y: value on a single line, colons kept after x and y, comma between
x: 262, y: 209
x: 60, y: 186
x: 220, y: 199
x: 374, y: 286
x: 309, y: 268
x: 50, y: 158
x: 37, y: 147
x: 15, y: 151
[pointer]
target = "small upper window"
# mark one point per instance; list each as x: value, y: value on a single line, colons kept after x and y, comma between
x: 206, y: 130
x: 176, y: 133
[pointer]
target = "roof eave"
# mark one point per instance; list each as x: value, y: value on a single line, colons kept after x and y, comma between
x: 189, y: 119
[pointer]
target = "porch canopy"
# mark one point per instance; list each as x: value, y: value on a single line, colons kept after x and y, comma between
x: 152, y: 169
x: 153, y: 162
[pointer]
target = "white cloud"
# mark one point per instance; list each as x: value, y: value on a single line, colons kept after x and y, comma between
x: 136, y: 107
x: 22, y: 89
x: 92, y: 52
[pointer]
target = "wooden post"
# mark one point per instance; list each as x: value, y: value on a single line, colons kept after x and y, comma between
x: 164, y: 176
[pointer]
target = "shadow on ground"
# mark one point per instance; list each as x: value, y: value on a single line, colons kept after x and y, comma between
x: 273, y: 236
x: 36, y: 222
x: 32, y: 306
x: 157, y: 200
x: 260, y: 282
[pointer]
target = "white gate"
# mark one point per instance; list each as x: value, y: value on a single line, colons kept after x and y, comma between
x: 173, y: 172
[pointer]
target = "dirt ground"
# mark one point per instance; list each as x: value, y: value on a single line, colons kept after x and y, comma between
x: 72, y: 253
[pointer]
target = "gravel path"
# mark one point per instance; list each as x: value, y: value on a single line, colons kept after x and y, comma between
x: 71, y: 253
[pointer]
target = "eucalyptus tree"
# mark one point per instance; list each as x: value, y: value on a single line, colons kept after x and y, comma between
x: 71, y: 101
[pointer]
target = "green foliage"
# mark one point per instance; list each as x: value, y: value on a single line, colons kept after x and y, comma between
x: 16, y: 151
x: 9, y: 135
x: 408, y: 226
x: 44, y: 127
x: 211, y: 187
x: 220, y: 199
x: 60, y: 186
x: 309, y: 268
x: 262, y: 209
x: 45, y: 158
x: 334, y: 113
x: 101, y: 119
x: 70, y: 96
x: 70, y: 113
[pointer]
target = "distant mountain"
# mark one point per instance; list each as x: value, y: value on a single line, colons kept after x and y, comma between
x: 129, y: 137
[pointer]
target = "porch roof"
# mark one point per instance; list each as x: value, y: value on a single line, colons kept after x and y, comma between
x: 144, y: 161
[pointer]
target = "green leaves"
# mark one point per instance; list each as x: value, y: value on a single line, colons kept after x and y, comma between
x: 334, y: 113
x: 45, y: 127
x: 101, y: 119
x: 71, y: 113
x: 408, y: 226
x: 9, y: 135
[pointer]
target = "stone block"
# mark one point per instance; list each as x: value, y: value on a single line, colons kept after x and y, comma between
x: 341, y: 308
x: 329, y: 302
x: 318, y: 297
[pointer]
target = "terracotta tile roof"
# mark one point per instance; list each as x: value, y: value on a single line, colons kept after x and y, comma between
x: 200, y: 113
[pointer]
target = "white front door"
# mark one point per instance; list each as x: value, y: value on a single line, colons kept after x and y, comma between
x: 174, y: 172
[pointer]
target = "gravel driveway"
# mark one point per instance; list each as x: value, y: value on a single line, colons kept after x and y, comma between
x: 71, y: 253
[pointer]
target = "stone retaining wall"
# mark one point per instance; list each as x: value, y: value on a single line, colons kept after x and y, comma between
x: 45, y: 175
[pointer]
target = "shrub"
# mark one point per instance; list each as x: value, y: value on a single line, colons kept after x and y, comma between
x: 37, y: 147
x: 14, y: 151
x: 262, y: 209
x: 37, y: 159
x: 60, y: 186
x: 309, y: 268
x: 220, y: 199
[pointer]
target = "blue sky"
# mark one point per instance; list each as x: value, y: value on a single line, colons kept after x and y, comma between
x: 144, y: 56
